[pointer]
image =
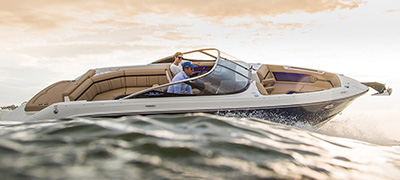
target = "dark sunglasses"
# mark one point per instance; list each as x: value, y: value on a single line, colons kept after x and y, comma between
x: 180, y: 57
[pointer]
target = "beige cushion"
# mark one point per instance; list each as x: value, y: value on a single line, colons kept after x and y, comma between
x: 71, y: 87
x: 262, y: 72
x: 131, y: 90
x: 82, y: 88
x: 261, y: 89
x: 110, y: 94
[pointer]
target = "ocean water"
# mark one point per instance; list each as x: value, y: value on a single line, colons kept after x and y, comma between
x: 191, y: 146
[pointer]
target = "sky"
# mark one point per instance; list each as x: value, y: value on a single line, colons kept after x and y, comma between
x: 45, y: 41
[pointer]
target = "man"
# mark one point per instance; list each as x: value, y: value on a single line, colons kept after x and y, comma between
x: 180, y: 88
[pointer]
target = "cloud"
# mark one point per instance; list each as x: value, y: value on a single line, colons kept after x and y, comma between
x: 237, y: 8
x: 71, y: 50
x: 393, y: 10
x: 71, y: 28
x: 49, y: 14
x: 26, y: 24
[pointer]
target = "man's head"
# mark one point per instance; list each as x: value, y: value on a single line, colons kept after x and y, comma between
x: 188, y: 68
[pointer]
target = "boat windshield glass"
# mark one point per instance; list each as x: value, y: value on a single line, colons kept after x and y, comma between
x: 228, y: 77
x: 232, y: 58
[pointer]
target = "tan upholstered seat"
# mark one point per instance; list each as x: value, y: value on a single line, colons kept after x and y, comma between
x: 84, y: 91
x: 261, y: 88
x: 100, y: 87
x: 68, y: 90
x: 56, y: 92
x: 168, y: 73
x: 109, y: 94
x: 266, y: 78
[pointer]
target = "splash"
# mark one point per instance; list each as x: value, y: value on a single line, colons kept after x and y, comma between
x: 362, y: 127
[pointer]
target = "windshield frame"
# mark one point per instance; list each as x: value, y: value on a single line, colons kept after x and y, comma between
x: 217, y: 63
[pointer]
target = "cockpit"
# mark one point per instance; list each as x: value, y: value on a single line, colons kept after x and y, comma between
x: 226, y: 76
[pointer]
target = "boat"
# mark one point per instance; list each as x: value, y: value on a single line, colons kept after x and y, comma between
x: 222, y: 85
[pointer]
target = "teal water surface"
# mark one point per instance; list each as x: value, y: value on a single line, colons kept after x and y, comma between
x: 191, y: 146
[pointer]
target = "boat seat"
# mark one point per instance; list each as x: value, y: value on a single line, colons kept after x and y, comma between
x: 56, y: 92
x: 285, y: 88
x: 266, y: 78
x: 289, y: 88
x: 48, y: 96
x: 109, y: 81
x: 109, y: 94
x: 83, y: 91
x: 145, y: 78
x: 110, y: 85
x: 317, y: 86
x: 168, y: 73
x: 69, y: 89
x: 261, y: 88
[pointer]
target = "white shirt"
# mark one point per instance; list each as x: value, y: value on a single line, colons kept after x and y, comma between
x: 176, y: 69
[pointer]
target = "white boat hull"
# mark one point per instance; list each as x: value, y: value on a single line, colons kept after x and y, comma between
x: 314, y: 108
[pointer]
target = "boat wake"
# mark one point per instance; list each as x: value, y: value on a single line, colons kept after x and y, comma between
x: 364, y: 129
x: 355, y: 127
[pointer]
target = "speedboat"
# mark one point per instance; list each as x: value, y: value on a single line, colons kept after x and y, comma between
x: 222, y: 85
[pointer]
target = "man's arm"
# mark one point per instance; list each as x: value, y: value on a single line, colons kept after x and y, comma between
x: 189, y: 89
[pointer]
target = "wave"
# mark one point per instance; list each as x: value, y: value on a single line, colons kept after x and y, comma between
x: 191, y: 146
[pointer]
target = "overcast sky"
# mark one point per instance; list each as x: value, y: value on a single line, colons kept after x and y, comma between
x: 43, y: 41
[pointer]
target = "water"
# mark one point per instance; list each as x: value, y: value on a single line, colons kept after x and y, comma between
x: 192, y: 146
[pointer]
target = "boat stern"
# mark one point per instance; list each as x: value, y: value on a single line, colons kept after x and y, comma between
x: 18, y: 114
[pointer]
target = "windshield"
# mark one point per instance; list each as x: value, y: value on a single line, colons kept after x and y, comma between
x: 232, y: 58
x: 228, y: 77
